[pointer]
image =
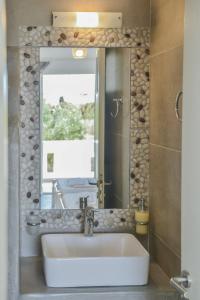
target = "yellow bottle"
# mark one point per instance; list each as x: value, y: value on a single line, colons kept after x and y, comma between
x: 142, y: 218
x: 141, y: 229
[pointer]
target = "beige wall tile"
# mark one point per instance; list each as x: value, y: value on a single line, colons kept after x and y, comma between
x: 158, y: 276
x: 167, y: 260
x: 166, y: 82
x: 167, y: 25
x: 37, y: 12
x: 167, y: 28
x: 165, y: 196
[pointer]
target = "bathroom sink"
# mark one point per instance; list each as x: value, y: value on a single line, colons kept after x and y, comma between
x: 74, y: 260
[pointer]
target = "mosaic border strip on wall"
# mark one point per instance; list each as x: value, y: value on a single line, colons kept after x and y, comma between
x: 31, y: 39
x: 72, y: 220
x: 48, y: 36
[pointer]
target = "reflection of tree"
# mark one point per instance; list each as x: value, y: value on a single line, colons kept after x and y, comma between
x: 66, y: 121
x: 62, y: 121
x: 87, y: 110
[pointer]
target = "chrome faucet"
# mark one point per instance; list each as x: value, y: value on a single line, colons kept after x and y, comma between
x: 88, y: 221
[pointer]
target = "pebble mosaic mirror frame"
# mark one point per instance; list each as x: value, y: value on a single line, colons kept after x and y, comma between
x: 30, y: 40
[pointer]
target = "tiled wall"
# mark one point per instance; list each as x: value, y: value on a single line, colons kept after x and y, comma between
x: 167, y: 27
x: 36, y: 12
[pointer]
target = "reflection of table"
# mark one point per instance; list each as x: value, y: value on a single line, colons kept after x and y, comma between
x: 73, y: 189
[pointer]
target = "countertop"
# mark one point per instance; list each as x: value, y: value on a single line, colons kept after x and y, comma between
x: 33, y: 286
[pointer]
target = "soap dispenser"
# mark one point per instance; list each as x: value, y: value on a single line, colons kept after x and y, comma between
x: 142, y: 218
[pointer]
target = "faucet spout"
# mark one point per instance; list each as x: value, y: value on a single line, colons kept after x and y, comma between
x: 89, y: 221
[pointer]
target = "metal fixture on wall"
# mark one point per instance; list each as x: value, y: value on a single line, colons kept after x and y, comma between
x: 179, y: 97
x: 33, y: 224
x: 87, y: 19
x: 117, y: 101
x: 182, y: 284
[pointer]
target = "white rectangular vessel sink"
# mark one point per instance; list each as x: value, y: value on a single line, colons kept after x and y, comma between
x: 73, y: 260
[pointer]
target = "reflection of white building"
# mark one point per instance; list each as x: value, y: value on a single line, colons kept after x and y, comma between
x: 71, y: 159
x: 72, y: 167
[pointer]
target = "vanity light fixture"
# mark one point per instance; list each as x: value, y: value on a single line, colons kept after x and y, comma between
x: 87, y: 19
x: 79, y: 53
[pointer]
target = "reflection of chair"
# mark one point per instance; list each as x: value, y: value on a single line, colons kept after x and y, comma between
x: 57, y: 201
x: 73, y: 189
x: 56, y: 195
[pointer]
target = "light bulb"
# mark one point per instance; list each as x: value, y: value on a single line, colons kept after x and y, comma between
x: 79, y: 53
x: 87, y: 19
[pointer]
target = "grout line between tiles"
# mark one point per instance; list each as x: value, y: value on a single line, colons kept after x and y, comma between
x: 178, y: 255
x: 165, y: 51
x: 165, y: 148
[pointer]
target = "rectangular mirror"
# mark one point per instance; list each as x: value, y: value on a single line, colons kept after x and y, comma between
x: 84, y: 127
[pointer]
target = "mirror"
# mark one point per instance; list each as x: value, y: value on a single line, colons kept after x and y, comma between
x: 84, y: 127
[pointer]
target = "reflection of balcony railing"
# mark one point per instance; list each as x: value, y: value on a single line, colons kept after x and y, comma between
x: 68, y: 193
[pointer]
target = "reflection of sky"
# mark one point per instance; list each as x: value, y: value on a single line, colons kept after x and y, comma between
x: 75, y: 88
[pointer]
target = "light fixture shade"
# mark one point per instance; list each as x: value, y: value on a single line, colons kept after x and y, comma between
x: 87, y: 19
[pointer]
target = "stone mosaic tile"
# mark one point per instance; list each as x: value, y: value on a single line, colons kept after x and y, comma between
x: 139, y: 165
x: 42, y: 36
x: 29, y: 168
x: 31, y: 39
x: 29, y: 88
x: 106, y: 220
x: 140, y: 77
